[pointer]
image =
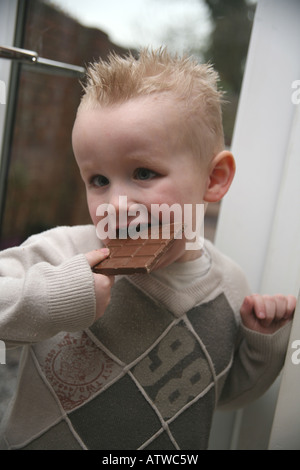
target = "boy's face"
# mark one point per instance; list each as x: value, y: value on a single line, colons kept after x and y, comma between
x: 136, y: 149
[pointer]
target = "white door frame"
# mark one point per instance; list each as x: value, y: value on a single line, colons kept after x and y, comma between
x: 285, y: 434
x: 259, y: 223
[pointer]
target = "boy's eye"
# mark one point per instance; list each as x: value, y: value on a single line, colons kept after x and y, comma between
x: 99, y: 181
x: 143, y: 174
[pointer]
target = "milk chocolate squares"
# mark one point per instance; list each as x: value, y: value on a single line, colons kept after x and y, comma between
x: 129, y: 256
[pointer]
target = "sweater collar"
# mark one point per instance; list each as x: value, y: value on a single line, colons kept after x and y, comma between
x: 179, y: 301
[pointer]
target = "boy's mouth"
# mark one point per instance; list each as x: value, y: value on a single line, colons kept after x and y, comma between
x: 133, y: 230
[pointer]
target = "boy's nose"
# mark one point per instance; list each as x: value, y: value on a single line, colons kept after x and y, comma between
x: 121, y: 200
x: 120, y: 204
x: 127, y: 207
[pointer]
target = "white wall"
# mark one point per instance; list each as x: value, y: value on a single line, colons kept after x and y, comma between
x: 259, y: 223
x: 285, y: 433
x: 259, y: 220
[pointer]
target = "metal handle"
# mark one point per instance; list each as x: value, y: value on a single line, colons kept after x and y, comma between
x: 15, y: 53
x: 43, y: 65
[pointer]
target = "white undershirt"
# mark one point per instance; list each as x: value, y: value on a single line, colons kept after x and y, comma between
x: 181, y: 275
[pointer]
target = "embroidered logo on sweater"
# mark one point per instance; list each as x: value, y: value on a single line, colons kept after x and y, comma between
x: 77, y: 369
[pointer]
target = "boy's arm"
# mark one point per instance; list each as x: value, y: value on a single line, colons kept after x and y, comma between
x: 45, y: 288
x: 266, y: 325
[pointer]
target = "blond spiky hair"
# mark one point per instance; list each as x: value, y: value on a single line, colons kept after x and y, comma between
x: 193, y: 85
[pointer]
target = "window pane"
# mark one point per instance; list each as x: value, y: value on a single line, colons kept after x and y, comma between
x: 44, y: 186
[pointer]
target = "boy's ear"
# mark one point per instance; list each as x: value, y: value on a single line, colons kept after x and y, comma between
x: 222, y: 170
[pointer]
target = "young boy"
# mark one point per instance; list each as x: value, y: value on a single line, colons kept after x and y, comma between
x: 140, y: 361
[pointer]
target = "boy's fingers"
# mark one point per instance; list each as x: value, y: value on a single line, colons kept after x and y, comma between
x: 260, y: 309
x: 291, y: 305
x: 247, y: 312
x: 281, y: 306
x: 247, y: 306
x: 95, y: 256
x: 266, y: 314
x: 257, y: 307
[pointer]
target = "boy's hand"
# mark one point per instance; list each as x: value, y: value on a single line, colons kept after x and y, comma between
x: 267, y: 314
x: 103, y: 284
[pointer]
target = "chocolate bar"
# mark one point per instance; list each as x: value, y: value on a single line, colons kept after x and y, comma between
x: 129, y: 256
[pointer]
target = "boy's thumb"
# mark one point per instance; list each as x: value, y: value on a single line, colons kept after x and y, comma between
x: 94, y: 257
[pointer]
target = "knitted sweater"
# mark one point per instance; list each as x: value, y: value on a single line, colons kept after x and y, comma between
x: 148, y: 374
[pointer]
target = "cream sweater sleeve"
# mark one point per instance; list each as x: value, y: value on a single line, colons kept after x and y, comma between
x: 257, y: 362
x: 46, y: 286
